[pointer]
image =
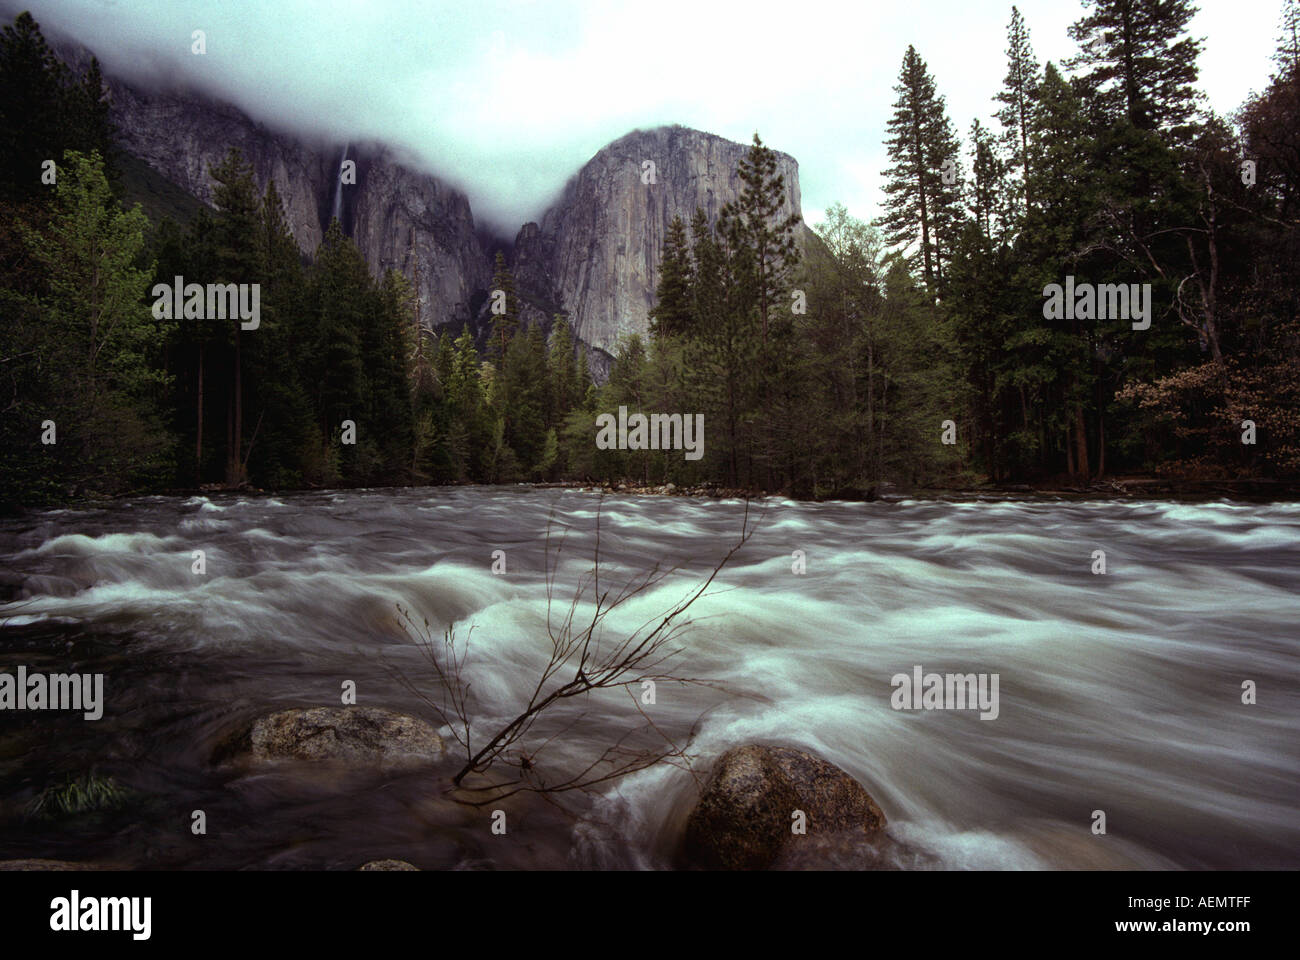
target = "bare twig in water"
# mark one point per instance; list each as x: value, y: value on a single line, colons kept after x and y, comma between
x: 580, y: 661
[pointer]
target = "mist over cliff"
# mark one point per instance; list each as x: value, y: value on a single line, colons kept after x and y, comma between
x: 593, y: 255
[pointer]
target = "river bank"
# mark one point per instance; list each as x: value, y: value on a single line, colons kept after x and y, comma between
x: 1190, y: 490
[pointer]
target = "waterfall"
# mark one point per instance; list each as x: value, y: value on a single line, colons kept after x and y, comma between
x: 337, y: 212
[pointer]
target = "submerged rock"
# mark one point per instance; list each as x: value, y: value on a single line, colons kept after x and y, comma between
x: 744, y: 817
x: 356, y: 736
x: 388, y: 865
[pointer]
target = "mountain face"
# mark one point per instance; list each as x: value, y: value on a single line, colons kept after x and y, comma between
x: 183, y: 136
x: 399, y: 217
x: 596, y: 253
x: 418, y: 225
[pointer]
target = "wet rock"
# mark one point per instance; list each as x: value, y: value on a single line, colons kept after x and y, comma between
x: 355, y: 736
x: 744, y: 818
x: 388, y: 865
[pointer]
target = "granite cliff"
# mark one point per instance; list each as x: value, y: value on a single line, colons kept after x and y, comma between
x: 596, y: 252
x: 398, y: 216
x: 594, y: 255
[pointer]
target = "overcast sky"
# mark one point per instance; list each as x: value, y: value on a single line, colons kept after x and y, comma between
x: 509, y: 99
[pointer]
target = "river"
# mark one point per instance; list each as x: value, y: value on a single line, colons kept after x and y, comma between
x: 1119, y: 692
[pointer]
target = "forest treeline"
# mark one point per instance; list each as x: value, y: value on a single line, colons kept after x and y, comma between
x: 914, y: 350
x: 335, y: 385
x: 932, y: 324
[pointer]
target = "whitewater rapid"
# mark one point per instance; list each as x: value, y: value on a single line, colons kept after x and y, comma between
x: 1119, y: 692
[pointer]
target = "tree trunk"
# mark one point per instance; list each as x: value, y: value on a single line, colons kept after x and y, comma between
x: 1081, y: 440
x: 1101, y: 444
x: 198, y: 441
x: 239, y: 411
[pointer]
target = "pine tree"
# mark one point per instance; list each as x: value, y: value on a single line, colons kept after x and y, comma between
x: 238, y: 225
x: 504, y: 308
x: 467, y: 431
x: 341, y: 304
x: 584, y: 377
x: 283, y: 420
x: 562, y: 373
x: 987, y: 198
x: 1053, y: 356
x: 522, y: 399
x: 1287, y: 56
x: 34, y: 126
x: 672, y: 312
x: 1019, y: 90
x: 766, y: 237
x: 1139, y: 64
x: 725, y: 352
x: 386, y: 352
x: 923, y: 188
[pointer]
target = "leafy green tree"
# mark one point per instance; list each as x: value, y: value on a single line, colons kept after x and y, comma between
x: 95, y: 340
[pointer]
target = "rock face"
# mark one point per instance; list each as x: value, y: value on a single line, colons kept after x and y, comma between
x: 183, y: 135
x: 596, y: 253
x: 415, y: 223
x: 356, y: 736
x: 400, y: 218
x: 743, y: 819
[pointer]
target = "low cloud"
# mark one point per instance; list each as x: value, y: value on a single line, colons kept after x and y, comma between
x: 508, y: 100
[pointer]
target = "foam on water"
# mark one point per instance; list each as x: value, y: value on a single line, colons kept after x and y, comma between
x: 1120, y: 692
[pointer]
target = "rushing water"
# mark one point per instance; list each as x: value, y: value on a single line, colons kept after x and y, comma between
x: 1119, y: 692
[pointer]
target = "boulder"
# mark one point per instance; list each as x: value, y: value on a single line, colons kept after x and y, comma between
x: 355, y: 736
x: 388, y: 865
x: 744, y: 817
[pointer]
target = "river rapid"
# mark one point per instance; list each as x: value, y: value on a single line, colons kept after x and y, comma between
x: 1119, y: 692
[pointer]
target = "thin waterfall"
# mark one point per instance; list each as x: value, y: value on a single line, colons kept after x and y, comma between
x: 337, y: 212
